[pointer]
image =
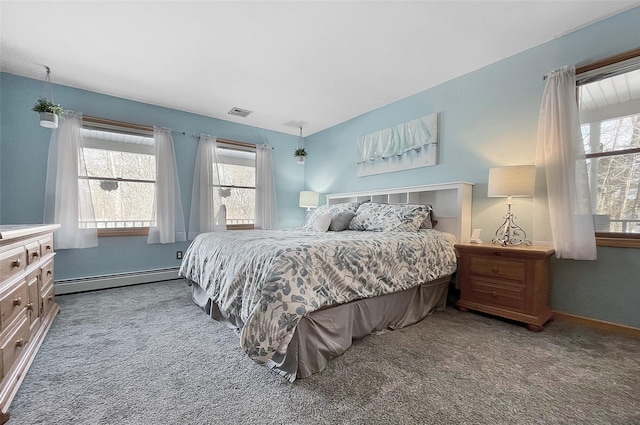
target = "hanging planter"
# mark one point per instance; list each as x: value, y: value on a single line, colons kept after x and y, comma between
x: 300, y: 154
x: 48, y: 112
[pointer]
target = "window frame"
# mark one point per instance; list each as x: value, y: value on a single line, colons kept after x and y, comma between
x: 127, y: 128
x: 609, y: 239
x: 234, y: 145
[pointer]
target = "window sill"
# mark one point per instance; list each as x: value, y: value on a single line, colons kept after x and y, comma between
x: 240, y: 227
x: 619, y: 242
x: 128, y: 231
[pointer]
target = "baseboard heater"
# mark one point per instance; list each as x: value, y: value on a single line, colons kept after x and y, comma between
x: 70, y: 286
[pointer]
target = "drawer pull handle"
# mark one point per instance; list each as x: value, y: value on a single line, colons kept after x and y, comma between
x: 49, y: 272
x: 29, y: 306
x: 20, y: 343
x: 17, y: 301
x: 50, y: 297
x: 15, y: 263
x: 494, y: 293
x: 48, y: 247
x: 495, y: 269
x: 35, y: 254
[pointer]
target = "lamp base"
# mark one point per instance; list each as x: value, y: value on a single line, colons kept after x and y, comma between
x: 509, y: 233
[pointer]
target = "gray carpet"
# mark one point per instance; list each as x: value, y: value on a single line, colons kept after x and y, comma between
x: 146, y: 355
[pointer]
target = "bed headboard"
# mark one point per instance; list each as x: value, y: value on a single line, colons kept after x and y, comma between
x: 451, y: 203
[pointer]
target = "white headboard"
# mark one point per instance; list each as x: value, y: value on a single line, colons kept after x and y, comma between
x: 451, y: 203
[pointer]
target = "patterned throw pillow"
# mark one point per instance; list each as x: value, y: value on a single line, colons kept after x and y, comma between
x: 334, y: 209
x: 341, y: 221
x: 376, y: 217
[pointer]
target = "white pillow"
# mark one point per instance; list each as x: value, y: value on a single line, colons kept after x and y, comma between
x: 320, y: 222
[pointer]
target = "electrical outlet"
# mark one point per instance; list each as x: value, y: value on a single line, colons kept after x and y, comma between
x: 178, y: 255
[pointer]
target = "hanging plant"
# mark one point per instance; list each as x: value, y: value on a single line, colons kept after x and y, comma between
x: 300, y: 152
x: 44, y: 105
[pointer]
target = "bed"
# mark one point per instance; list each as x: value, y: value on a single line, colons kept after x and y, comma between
x: 298, y: 298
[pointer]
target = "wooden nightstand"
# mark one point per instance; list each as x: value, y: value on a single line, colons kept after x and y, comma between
x: 511, y: 282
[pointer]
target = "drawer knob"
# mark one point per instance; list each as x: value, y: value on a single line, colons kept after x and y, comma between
x: 29, y: 306
x: 15, y: 263
x: 49, y: 272
x: 20, y: 343
x: 50, y: 297
x: 494, y: 294
x: 495, y: 269
x: 17, y: 301
x: 48, y: 247
x: 35, y: 254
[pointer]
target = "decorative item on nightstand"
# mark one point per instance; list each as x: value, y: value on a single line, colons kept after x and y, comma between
x: 509, y: 182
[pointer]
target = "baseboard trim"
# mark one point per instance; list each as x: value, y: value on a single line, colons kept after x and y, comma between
x: 70, y: 286
x: 624, y: 330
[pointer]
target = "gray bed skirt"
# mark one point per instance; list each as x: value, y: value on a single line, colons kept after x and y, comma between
x: 327, y: 333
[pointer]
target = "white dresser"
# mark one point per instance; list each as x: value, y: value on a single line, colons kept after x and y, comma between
x: 27, y: 302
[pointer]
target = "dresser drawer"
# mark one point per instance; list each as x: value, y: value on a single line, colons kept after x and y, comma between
x: 46, y: 245
x: 502, y: 294
x: 12, y: 302
x: 33, y: 252
x: 12, y: 261
x: 47, y: 275
x: 501, y: 268
x: 48, y: 300
x: 13, y: 343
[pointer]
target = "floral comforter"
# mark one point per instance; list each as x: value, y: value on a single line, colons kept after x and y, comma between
x: 264, y: 281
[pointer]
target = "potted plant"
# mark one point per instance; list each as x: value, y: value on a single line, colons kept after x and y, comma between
x: 48, y: 111
x: 300, y: 153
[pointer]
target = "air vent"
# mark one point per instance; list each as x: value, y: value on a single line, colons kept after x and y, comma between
x: 239, y: 112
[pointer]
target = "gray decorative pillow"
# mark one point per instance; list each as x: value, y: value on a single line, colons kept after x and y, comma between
x: 333, y: 209
x: 341, y: 221
x: 320, y: 223
x: 376, y: 217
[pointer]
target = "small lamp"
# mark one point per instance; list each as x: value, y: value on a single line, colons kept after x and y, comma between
x: 309, y: 199
x: 511, y: 181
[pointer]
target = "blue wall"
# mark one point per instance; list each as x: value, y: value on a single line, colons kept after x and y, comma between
x: 489, y: 118
x: 23, y: 158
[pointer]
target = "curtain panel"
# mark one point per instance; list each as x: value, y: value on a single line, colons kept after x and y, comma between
x: 68, y: 197
x: 266, y: 203
x: 208, y: 213
x: 167, y: 203
x: 561, y: 155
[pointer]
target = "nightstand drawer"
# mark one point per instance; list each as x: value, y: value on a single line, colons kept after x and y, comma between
x: 505, y: 269
x: 504, y: 294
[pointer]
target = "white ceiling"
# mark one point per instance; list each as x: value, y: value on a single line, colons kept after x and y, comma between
x: 320, y: 63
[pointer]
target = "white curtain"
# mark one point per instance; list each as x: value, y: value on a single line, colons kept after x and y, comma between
x: 167, y: 203
x: 266, y: 206
x: 68, y: 198
x: 208, y: 214
x: 561, y: 154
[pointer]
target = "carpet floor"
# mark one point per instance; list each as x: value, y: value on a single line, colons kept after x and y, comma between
x: 146, y: 354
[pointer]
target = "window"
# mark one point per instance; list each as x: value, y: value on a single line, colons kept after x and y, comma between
x: 237, y: 171
x: 121, y: 170
x: 609, y: 100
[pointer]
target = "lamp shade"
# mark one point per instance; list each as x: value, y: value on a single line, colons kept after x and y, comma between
x: 309, y: 199
x: 515, y: 180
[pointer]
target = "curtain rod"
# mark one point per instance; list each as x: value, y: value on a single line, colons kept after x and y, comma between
x: 131, y: 126
x: 228, y: 142
x: 590, y: 66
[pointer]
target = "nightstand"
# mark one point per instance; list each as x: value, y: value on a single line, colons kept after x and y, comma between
x: 510, y: 282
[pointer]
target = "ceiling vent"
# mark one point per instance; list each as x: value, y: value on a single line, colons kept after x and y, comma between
x: 239, y: 112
